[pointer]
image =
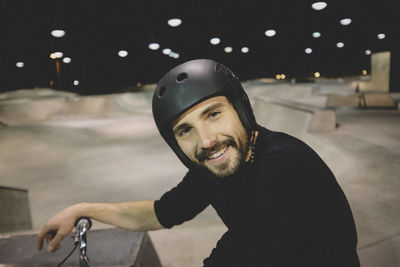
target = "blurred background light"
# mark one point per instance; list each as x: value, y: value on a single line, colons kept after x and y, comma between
x: 58, y: 33
x: 174, y: 22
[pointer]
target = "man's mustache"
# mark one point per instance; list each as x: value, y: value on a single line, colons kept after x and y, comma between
x: 203, y: 155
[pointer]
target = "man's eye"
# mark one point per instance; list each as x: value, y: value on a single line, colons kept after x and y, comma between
x: 184, y: 131
x: 214, y: 114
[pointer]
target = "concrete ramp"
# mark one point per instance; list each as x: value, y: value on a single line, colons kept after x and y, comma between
x: 293, y: 118
x: 379, y: 100
x: 19, y: 111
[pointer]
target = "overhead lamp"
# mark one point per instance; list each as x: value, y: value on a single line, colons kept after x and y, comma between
x: 76, y: 82
x: 368, y: 52
x: 176, y: 55
x: 270, y: 33
x: 316, y: 34
x: 381, y: 36
x: 339, y: 44
x: 244, y: 50
x: 228, y: 49
x: 67, y: 60
x: 174, y: 22
x: 308, y: 50
x: 166, y: 51
x: 345, y: 21
x: 278, y: 76
x: 317, y: 74
x: 122, y: 53
x: 56, y: 55
x: 319, y: 5
x: 58, y: 33
x: 20, y: 64
x: 154, y: 46
x: 283, y: 76
x: 215, y: 41
x: 364, y: 72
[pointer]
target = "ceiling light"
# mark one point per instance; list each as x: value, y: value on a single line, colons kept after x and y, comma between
x: 245, y: 50
x: 20, y: 64
x: 76, y: 82
x: 316, y: 34
x: 175, y: 22
x: 58, y: 33
x: 171, y: 54
x: 368, y: 52
x: 381, y: 36
x: 270, y: 33
x: 340, y: 44
x: 166, y: 51
x: 154, y: 46
x: 176, y: 55
x: 283, y: 76
x: 317, y: 74
x: 122, y: 53
x: 345, y: 21
x: 67, y: 60
x: 56, y: 55
x: 215, y: 41
x: 308, y: 50
x: 228, y: 49
x: 319, y: 5
x: 278, y: 76
x: 364, y: 72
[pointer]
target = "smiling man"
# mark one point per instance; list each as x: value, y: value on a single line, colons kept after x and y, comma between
x: 212, y: 136
x: 280, y: 202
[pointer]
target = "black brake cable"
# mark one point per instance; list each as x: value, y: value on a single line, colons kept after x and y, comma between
x: 67, y: 256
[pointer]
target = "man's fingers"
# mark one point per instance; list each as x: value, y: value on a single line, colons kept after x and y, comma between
x: 45, y: 234
x: 54, y: 244
x: 41, y: 235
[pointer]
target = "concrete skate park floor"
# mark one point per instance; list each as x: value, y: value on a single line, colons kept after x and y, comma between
x: 121, y: 157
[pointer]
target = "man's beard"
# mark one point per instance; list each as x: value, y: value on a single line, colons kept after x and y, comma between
x: 228, y: 168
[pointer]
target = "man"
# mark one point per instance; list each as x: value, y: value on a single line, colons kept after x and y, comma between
x: 281, y: 203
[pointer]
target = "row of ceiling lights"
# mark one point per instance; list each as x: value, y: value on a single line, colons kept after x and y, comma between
x: 175, y: 22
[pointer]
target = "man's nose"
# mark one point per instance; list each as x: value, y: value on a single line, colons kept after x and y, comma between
x: 207, y: 138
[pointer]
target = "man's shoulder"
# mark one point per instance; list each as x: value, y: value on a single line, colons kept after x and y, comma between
x: 274, y: 144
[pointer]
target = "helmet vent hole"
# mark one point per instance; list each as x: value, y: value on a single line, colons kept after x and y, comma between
x: 182, y: 77
x: 161, y: 92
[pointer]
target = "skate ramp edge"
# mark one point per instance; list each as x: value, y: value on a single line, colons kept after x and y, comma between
x: 292, y: 117
x: 26, y: 111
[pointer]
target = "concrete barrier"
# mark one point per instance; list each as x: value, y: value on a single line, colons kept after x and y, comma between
x: 293, y: 118
x: 105, y: 248
x: 14, y: 210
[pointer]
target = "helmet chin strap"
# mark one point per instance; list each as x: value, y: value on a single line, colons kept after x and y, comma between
x: 252, y: 146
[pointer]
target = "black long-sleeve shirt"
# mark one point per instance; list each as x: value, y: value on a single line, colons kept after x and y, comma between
x: 284, y: 209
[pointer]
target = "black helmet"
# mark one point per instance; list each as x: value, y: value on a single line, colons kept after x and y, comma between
x: 189, y: 84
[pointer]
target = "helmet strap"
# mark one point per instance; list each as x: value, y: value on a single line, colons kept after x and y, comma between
x: 252, y: 147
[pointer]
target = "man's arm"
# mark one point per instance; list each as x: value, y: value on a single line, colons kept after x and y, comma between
x: 135, y: 216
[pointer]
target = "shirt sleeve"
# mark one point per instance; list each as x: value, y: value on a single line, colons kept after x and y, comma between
x: 183, y: 202
x: 290, y: 220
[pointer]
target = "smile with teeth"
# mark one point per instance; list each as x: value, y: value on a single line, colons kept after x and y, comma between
x: 217, y: 154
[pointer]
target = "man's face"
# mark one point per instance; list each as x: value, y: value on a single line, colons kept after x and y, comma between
x: 212, y: 135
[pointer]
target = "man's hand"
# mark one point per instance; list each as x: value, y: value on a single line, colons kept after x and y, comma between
x: 56, y: 228
x: 135, y: 216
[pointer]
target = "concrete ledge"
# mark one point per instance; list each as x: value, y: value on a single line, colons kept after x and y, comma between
x: 314, y: 119
x: 14, y: 210
x: 343, y: 100
x: 107, y: 247
x: 380, y: 100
